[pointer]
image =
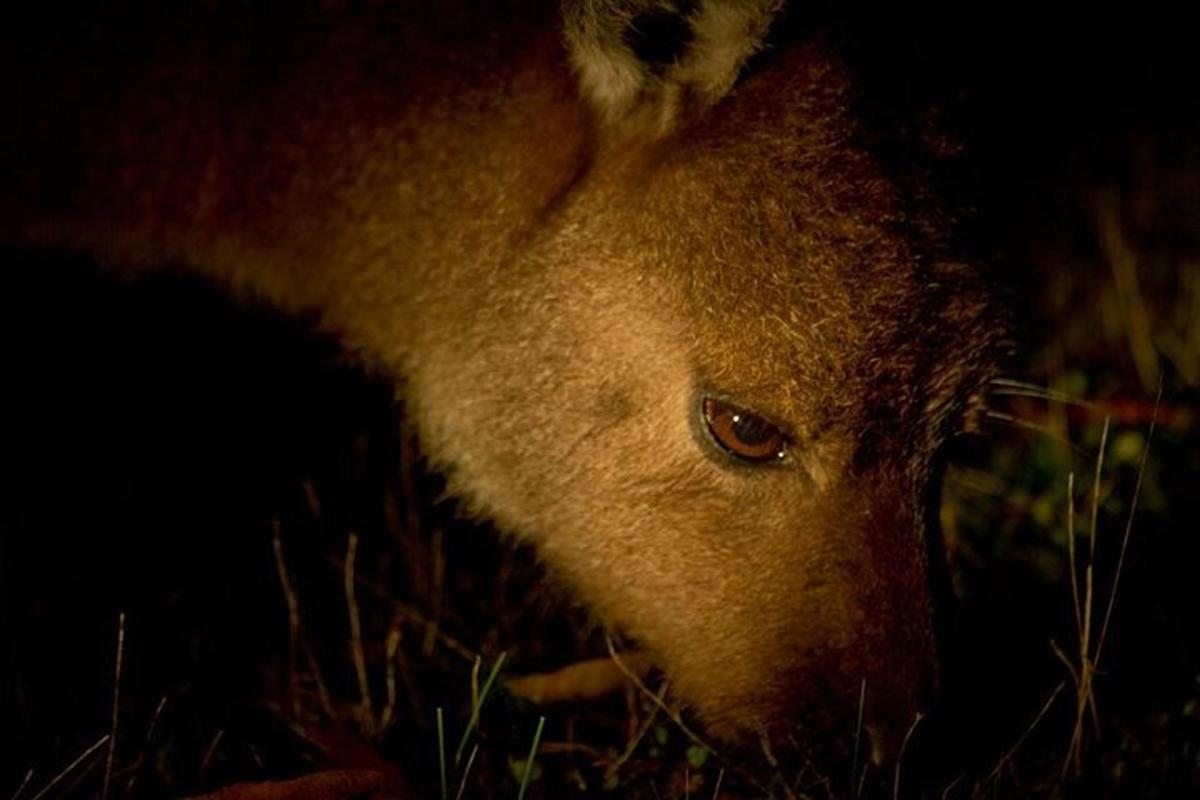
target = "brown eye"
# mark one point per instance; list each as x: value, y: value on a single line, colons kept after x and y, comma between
x: 744, y: 433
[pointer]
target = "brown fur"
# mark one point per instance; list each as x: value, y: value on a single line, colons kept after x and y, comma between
x: 554, y: 291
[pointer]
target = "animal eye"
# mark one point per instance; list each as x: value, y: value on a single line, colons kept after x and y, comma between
x: 743, y: 433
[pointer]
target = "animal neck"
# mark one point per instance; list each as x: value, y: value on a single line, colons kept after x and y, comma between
x: 371, y: 172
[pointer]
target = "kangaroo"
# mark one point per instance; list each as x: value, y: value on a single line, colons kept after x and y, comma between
x: 650, y: 301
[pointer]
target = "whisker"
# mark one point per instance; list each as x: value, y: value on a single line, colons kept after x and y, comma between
x: 1017, y: 383
x: 1043, y: 394
x: 1024, y: 424
x: 1015, y: 388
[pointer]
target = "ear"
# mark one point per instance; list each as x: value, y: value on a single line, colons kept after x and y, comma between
x: 642, y: 62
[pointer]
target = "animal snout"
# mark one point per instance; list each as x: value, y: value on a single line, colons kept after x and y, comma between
x: 843, y: 690
x: 893, y: 711
x: 900, y: 672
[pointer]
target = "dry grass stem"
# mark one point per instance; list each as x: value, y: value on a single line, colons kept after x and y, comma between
x: 391, y: 647
x: 367, y: 712
x: 209, y: 753
x: 717, y: 786
x: 900, y: 756
x: 462, y: 783
x: 764, y: 743
x: 1137, y: 494
x: 293, y: 610
x: 67, y: 770
x: 671, y: 713
x: 24, y: 782
x: 116, y: 707
x: 1012, y: 751
x: 141, y: 759
x: 633, y: 742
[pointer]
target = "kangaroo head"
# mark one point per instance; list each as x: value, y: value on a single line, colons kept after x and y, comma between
x: 712, y: 387
x: 707, y: 375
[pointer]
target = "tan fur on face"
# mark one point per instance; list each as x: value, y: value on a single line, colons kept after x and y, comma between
x: 554, y: 302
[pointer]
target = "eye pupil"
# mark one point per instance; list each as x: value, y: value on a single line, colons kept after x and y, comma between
x: 743, y: 433
x: 752, y: 430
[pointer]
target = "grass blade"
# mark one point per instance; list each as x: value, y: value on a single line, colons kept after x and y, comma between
x: 537, y: 738
x: 477, y: 707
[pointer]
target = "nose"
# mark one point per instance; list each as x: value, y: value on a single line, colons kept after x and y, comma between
x: 904, y: 589
x: 899, y: 691
x: 888, y: 733
x: 878, y: 691
x: 901, y: 669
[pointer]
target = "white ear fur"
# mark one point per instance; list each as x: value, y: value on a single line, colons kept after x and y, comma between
x: 705, y: 44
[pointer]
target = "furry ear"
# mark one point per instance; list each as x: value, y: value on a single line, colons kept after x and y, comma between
x: 645, y: 60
